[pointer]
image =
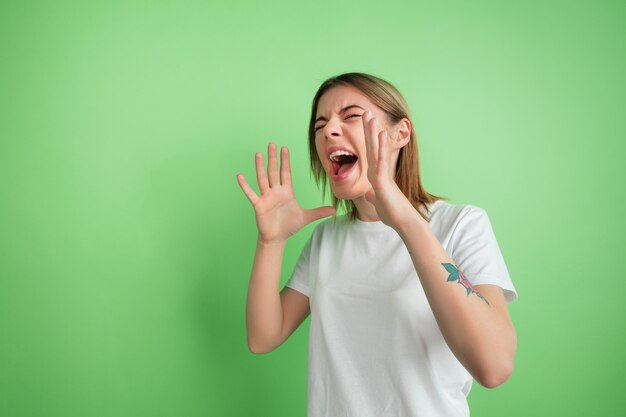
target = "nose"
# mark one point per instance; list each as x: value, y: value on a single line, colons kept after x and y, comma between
x: 332, y: 130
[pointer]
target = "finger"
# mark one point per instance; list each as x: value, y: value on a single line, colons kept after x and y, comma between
x: 372, y: 141
x: 367, y: 117
x: 383, y: 153
x: 260, y: 173
x: 285, y: 167
x: 247, y: 190
x: 272, y: 165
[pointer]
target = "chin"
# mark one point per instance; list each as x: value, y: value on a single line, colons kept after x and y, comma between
x: 347, y: 193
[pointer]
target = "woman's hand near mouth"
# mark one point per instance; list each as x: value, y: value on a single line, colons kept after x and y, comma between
x: 278, y: 214
x: 391, y: 204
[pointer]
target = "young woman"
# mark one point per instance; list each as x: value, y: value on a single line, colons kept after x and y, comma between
x: 407, y: 293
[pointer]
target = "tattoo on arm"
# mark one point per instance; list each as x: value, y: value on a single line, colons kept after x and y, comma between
x: 456, y: 275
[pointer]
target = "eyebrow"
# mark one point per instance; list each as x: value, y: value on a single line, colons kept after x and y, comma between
x: 340, y: 111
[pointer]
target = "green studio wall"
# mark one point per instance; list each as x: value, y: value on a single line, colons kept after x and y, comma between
x: 126, y: 243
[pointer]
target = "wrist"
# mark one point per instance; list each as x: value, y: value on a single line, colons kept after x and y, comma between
x: 271, y: 242
x: 411, y: 221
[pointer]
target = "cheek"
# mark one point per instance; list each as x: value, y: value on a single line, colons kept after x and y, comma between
x: 320, y: 155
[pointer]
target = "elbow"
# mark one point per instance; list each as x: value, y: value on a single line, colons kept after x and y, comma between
x: 258, y: 349
x: 495, y: 377
x: 261, y: 344
x: 498, y: 367
x: 495, y: 373
x: 255, y: 348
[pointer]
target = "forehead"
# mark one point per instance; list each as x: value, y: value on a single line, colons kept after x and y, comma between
x: 340, y: 96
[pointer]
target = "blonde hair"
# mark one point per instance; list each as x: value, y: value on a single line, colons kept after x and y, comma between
x: 384, y: 95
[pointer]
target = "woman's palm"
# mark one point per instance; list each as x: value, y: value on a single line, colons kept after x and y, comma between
x: 278, y: 214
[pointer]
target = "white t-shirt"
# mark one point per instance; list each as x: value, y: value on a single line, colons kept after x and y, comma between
x: 374, y: 346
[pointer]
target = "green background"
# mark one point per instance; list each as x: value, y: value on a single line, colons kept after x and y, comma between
x: 126, y: 243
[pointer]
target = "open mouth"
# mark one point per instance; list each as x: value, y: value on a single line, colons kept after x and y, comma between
x: 342, y: 162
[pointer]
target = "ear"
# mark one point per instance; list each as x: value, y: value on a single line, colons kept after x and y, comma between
x: 403, y: 133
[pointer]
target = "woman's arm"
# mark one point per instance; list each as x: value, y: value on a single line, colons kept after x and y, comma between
x: 475, y: 324
x: 278, y: 216
x: 264, y: 313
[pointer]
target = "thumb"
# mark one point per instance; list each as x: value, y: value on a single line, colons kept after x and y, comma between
x: 318, y: 213
x: 371, y: 196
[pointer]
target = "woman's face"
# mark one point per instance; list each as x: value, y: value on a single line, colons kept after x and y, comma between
x: 339, y: 126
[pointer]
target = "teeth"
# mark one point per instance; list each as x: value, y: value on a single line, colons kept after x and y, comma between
x: 337, y: 153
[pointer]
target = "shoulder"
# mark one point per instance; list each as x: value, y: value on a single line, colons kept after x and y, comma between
x: 451, y: 214
x: 328, y: 225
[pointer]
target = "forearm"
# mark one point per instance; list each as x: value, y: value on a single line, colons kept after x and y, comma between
x: 264, y: 313
x: 478, y: 334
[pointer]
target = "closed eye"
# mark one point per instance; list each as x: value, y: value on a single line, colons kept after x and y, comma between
x: 352, y: 115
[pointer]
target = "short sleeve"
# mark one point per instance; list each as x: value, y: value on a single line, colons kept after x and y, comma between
x: 476, y: 252
x: 299, y: 279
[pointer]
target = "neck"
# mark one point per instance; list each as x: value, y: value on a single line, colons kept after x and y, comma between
x: 365, y: 210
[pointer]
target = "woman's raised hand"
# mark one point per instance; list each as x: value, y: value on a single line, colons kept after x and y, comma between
x: 392, y: 206
x: 278, y: 214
